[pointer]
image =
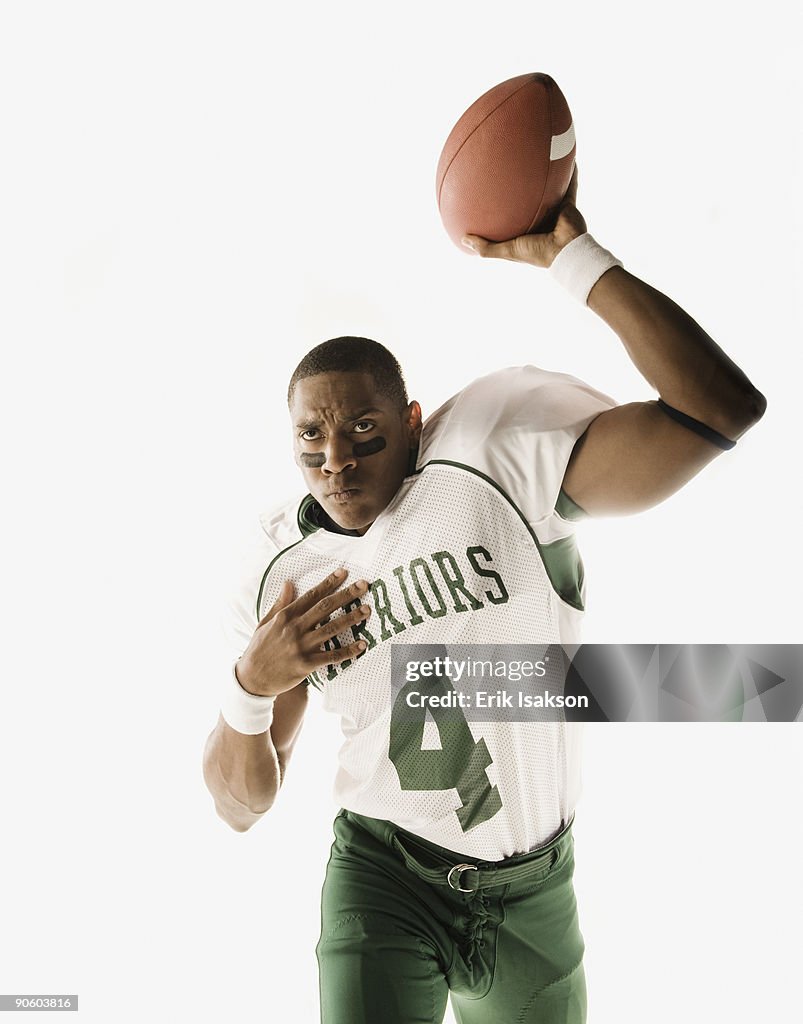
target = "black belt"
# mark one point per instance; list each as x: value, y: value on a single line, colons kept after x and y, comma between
x: 479, y: 875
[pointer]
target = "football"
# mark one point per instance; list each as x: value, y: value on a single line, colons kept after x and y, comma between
x: 507, y: 163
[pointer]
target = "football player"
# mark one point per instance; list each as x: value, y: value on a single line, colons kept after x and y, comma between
x: 450, y: 875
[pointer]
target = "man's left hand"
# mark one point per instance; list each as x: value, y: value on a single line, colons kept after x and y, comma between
x: 539, y: 250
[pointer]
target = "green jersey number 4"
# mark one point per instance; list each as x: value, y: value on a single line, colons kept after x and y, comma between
x: 459, y: 764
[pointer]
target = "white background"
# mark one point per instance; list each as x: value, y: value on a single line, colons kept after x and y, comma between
x: 195, y: 194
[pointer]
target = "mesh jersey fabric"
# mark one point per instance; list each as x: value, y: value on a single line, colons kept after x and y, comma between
x: 460, y: 555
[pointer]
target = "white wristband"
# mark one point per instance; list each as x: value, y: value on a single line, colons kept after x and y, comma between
x: 580, y: 264
x: 246, y: 712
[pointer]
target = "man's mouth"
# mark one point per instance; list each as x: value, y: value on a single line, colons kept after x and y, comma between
x: 342, y: 496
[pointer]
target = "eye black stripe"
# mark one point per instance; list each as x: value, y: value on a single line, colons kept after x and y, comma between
x: 363, y: 448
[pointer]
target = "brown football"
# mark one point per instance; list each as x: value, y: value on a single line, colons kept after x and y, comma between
x: 507, y: 163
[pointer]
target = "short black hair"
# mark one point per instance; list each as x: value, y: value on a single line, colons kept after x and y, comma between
x: 354, y: 355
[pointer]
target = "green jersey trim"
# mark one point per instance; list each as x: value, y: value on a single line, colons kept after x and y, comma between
x: 270, y: 566
x: 303, y: 506
x: 306, y: 524
x: 561, y: 559
x: 568, y: 509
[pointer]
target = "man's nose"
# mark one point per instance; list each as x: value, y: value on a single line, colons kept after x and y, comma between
x: 339, y: 456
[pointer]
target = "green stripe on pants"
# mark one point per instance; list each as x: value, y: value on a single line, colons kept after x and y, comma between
x: 393, y: 947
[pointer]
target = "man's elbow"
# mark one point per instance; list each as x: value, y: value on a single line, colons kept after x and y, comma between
x: 758, y: 405
x: 238, y: 817
x: 738, y: 414
x: 238, y: 813
x: 236, y: 824
x: 751, y: 408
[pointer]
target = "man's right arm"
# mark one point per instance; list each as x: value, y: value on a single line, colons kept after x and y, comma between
x: 245, y: 772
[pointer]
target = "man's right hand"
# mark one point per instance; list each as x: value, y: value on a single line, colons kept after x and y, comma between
x: 540, y: 248
x: 288, y: 642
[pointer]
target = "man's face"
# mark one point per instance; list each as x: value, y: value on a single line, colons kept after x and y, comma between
x: 352, y: 444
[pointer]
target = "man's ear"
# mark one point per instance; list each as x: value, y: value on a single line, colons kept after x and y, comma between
x: 413, y: 420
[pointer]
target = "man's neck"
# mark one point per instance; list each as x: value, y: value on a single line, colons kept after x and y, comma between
x: 327, y: 523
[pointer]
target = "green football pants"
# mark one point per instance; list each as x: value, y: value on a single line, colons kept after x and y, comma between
x: 398, y: 936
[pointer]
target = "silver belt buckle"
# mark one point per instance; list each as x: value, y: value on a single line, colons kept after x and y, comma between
x: 460, y: 868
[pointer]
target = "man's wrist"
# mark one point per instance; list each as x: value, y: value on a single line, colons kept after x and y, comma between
x: 241, y: 674
x: 246, y: 712
x: 580, y: 263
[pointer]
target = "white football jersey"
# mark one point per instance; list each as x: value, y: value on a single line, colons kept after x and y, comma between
x: 476, y: 547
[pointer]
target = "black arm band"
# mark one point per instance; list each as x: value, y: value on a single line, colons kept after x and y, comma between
x: 690, y: 423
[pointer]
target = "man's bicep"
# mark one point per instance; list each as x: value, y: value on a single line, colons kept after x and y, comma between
x: 631, y: 458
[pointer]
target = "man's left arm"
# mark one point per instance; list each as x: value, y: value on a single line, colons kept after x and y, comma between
x: 636, y: 455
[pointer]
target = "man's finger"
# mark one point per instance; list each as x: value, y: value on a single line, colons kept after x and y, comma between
x: 285, y: 597
x: 321, y: 611
x: 483, y: 247
x: 339, y: 624
x: 532, y: 248
x: 311, y: 597
x: 571, y: 191
x: 336, y: 655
